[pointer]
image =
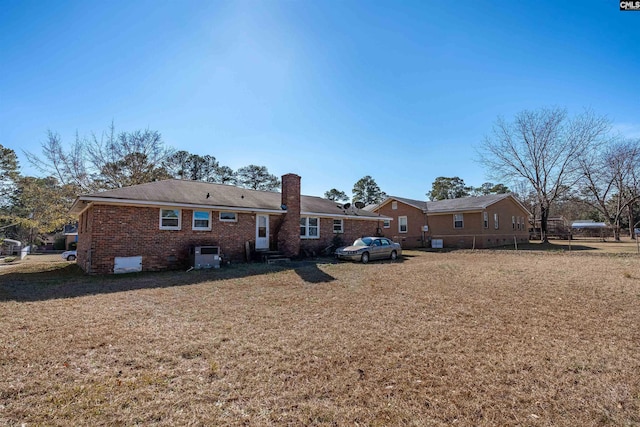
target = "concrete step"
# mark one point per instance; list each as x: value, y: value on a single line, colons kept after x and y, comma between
x: 271, y: 257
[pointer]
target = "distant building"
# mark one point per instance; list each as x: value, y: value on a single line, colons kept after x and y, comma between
x: 467, y: 222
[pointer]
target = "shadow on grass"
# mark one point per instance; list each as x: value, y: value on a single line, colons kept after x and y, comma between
x: 55, y: 281
x: 310, y: 273
x: 41, y: 282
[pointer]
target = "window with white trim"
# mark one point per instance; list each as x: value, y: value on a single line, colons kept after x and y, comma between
x: 386, y: 223
x: 495, y: 221
x: 309, y: 228
x: 201, y: 220
x: 228, y: 216
x: 170, y: 219
x: 338, y: 226
x: 394, y: 205
x: 458, y: 220
x: 402, y: 224
x: 513, y: 222
x: 485, y: 219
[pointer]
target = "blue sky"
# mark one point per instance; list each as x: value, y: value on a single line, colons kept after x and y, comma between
x: 330, y: 90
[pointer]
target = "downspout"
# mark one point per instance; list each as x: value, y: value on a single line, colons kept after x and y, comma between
x: 426, y: 222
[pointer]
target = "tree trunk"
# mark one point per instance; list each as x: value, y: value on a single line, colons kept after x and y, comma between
x: 632, y: 232
x: 544, y: 216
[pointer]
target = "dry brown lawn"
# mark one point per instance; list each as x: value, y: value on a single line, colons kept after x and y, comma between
x: 586, y: 245
x: 467, y: 338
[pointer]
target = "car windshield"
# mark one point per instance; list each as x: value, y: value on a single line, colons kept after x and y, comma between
x: 365, y: 241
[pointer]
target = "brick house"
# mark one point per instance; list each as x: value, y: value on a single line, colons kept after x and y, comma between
x: 159, y: 221
x: 480, y: 222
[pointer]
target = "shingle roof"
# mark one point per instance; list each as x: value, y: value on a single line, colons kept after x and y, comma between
x: 450, y: 205
x: 183, y: 192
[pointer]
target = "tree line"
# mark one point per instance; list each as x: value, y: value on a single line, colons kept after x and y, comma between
x: 556, y: 164
x: 31, y: 205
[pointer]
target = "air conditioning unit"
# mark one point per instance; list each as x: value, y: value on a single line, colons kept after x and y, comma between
x: 205, y: 257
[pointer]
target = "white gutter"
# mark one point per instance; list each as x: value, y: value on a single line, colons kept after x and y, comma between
x: 363, y: 218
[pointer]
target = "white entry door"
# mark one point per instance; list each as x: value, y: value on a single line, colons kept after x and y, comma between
x: 262, y: 231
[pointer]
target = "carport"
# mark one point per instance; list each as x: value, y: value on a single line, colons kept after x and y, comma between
x: 589, y: 229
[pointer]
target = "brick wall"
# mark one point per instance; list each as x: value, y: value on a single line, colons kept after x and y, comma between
x: 413, y: 238
x: 289, y: 229
x: 353, y: 229
x: 124, y: 231
x: 85, y: 239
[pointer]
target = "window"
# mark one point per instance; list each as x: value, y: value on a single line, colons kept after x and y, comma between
x: 495, y: 221
x: 458, y: 220
x: 394, y: 205
x: 386, y: 223
x: 338, y: 226
x: 402, y: 224
x: 513, y: 222
x: 228, y: 217
x: 522, y: 222
x: 486, y: 220
x: 170, y: 219
x: 201, y: 220
x: 309, y: 228
x: 518, y: 221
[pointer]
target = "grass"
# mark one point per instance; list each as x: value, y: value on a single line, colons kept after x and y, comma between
x: 588, y: 245
x: 467, y: 337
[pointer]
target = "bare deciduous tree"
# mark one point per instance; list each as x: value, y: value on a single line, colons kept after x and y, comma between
x: 69, y: 167
x: 611, y: 176
x: 110, y: 161
x: 542, y: 147
x: 127, y: 158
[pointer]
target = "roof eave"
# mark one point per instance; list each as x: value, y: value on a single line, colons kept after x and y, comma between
x: 344, y: 216
x: 156, y: 203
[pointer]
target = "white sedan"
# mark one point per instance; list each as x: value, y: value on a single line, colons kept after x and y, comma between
x: 69, y: 255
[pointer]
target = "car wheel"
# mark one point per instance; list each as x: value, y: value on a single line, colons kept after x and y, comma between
x: 394, y: 255
x: 71, y: 258
x: 365, y: 258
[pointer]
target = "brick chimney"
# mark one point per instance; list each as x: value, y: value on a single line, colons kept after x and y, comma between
x: 289, y: 234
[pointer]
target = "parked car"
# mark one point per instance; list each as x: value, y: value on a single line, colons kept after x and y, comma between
x: 69, y: 255
x: 369, y: 248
